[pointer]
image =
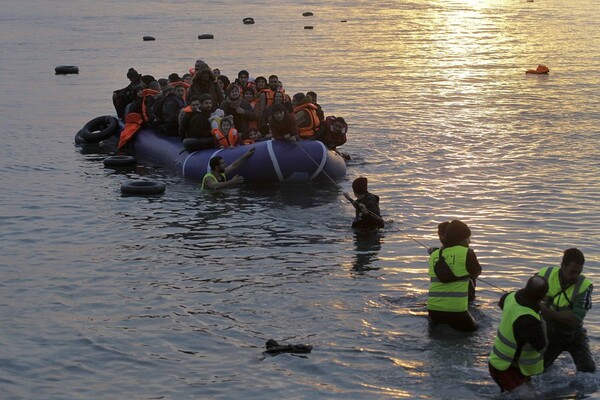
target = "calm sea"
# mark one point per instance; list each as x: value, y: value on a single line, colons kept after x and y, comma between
x: 111, y: 297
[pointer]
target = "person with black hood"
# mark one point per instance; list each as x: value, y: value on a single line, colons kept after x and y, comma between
x: 520, y: 341
x: 451, y: 268
x: 204, y: 81
x: 368, y: 215
x: 122, y: 97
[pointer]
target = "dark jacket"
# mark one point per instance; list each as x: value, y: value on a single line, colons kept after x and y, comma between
x: 240, y: 121
x: 170, y: 114
x: 368, y: 222
x: 195, y: 125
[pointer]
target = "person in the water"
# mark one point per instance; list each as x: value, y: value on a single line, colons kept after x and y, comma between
x: 368, y: 214
x: 216, y: 178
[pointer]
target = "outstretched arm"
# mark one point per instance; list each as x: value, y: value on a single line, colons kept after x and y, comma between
x: 239, y: 161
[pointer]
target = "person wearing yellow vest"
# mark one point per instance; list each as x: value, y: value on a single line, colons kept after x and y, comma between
x: 520, y: 341
x: 216, y: 178
x: 569, y: 298
x: 450, y: 270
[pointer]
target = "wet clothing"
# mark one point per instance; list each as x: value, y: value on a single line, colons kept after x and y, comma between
x: 447, y: 303
x: 216, y: 178
x: 576, y: 298
x: 519, y: 342
x: 367, y: 222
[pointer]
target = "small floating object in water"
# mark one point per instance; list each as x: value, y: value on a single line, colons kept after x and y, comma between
x: 344, y: 20
x: 66, y: 69
x: 307, y: 14
x: 275, y: 348
x: 148, y: 38
x: 308, y: 27
x: 248, y: 20
x: 530, y: 1
x: 540, y: 70
x: 206, y: 36
x: 119, y: 161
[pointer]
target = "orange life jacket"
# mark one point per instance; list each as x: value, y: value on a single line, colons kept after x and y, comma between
x: 133, y: 123
x: 145, y: 94
x: 308, y: 131
x: 270, y: 95
x: 231, y: 140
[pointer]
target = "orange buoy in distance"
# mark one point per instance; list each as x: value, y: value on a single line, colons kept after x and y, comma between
x: 540, y: 70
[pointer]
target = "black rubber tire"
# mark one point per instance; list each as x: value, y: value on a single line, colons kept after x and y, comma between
x: 206, y: 36
x: 119, y: 161
x: 308, y: 27
x: 66, y: 70
x: 248, y: 20
x: 307, y: 14
x: 79, y: 139
x: 100, y: 128
x: 148, y: 38
x: 142, y: 187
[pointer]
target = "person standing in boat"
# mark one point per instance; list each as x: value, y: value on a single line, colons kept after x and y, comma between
x: 216, y: 178
x: 174, y: 102
x: 205, y: 82
x: 451, y: 268
x: 368, y: 214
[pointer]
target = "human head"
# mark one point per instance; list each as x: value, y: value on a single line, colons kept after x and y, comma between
x: 249, y: 93
x: 217, y: 164
x: 174, y: 77
x: 442, y: 231
x: 206, y: 102
x: 360, y: 186
x: 233, y: 91
x: 457, y: 233
x: 297, y: 98
x: 278, y: 97
x: 146, y: 79
x: 278, y: 112
x: 195, y: 102
x: 226, y: 123
x: 200, y: 65
x: 216, y: 72
x: 163, y: 82
x: 313, y: 96
x: 260, y: 82
x: 273, y: 82
x: 243, y: 76
x: 223, y: 82
x: 536, y: 288
x: 179, y: 91
x: 187, y: 78
x: 133, y: 75
x: 571, y: 265
x: 154, y: 85
x: 254, y: 134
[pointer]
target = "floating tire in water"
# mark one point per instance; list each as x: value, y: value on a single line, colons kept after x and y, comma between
x: 99, y: 129
x: 248, y: 20
x: 148, y: 38
x: 119, y: 161
x: 142, y: 187
x: 308, y: 27
x: 66, y: 70
x: 307, y: 14
x: 206, y: 36
x: 79, y: 139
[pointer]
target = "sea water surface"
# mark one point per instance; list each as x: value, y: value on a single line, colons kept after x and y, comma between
x: 174, y: 297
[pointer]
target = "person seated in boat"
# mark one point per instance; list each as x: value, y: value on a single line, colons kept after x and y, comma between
x: 216, y: 178
x: 267, y: 95
x: 250, y: 97
x: 187, y: 78
x: 204, y: 82
x: 122, y: 97
x: 199, y: 65
x: 195, y: 122
x: 251, y: 137
x: 226, y: 135
x: 216, y: 72
x: 236, y: 106
x: 243, y: 80
x: 306, y: 116
x: 333, y: 132
x: 263, y: 121
x: 174, y: 77
x: 149, y: 98
x: 223, y: 83
x: 282, y: 124
x: 136, y: 104
x: 368, y: 214
x: 320, y: 112
x: 172, y: 106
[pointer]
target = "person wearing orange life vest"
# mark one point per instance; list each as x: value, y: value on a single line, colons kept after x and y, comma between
x: 243, y: 81
x: 250, y: 97
x: 521, y: 340
x: 568, y: 301
x: 226, y: 135
x: 306, y: 116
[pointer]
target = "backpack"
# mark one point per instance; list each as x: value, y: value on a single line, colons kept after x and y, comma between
x: 444, y: 273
